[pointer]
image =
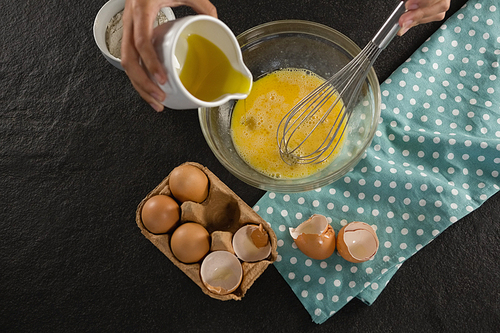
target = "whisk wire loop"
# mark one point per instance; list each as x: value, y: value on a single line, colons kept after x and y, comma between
x: 340, y: 94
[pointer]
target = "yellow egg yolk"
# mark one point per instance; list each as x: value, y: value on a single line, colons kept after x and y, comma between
x: 255, y: 121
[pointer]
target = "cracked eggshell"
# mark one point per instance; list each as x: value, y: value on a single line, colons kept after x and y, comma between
x: 357, y: 242
x: 221, y: 272
x: 251, y: 243
x: 315, y: 237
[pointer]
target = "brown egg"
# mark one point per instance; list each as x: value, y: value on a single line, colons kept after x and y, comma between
x: 357, y: 242
x: 190, y: 242
x: 315, y: 237
x: 160, y: 213
x: 188, y: 183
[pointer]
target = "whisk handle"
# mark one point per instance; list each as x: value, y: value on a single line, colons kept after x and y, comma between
x: 390, y: 27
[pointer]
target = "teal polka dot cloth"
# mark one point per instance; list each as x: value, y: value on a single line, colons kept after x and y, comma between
x: 434, y: 159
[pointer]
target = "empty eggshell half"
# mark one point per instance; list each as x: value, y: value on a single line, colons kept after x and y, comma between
x: 221, y: 272
x: 251, y: 243
x: 357, y: 242
x: 315, y: 237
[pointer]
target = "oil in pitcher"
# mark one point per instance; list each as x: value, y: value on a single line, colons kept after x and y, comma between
x: 203, y: 61
x: 207, y: 73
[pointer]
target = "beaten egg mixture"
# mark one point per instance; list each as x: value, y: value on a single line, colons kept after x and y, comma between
x: 255, y: 121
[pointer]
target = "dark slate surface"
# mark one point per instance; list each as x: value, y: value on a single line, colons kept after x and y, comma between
x: 79, y: 149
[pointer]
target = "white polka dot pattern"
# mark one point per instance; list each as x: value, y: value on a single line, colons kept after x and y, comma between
x: 434, y: 159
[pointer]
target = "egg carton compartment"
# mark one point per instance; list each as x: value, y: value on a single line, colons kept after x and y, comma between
x: 222, y: 214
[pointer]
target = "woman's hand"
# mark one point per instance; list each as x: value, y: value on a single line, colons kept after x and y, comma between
x: 137, y: 46
x: 422, y: 11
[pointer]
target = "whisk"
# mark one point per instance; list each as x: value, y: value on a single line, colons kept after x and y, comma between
x: 337, y: 94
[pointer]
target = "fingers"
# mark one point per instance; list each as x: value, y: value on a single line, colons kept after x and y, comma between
x: 142, y: 37
x: 132, y: 53
x: 422, y: 11
x: 143, y: 16
x: 200, y: 6
x: 139, y: 57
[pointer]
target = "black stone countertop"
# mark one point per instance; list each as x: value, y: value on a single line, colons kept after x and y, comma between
x: 79, y: 149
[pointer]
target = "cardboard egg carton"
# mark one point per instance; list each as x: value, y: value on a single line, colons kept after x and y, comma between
x: 222, y: 214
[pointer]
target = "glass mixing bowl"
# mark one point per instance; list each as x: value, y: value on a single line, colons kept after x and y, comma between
x: 296, y: 44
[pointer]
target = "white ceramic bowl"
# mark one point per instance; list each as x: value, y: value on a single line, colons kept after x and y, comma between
x: 105, y: 14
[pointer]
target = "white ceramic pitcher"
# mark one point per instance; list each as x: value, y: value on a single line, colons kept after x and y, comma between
x: 171, y: 46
